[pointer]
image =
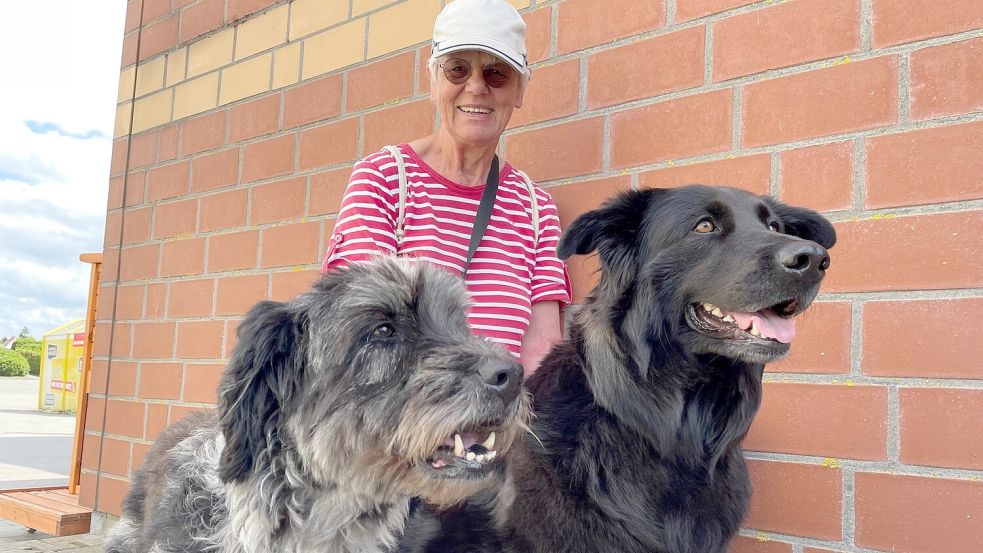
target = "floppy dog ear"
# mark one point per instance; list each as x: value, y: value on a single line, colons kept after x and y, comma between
x: 610, y: 229
x: 805, y: 223
x: 263, y: 376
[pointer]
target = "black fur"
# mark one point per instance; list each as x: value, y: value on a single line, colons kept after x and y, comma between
x: 640, y: 412
x: 260, y: 382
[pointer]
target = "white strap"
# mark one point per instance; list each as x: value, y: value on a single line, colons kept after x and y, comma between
x: 401, y: 212
x: 401, y: 170
x: 534, y: 202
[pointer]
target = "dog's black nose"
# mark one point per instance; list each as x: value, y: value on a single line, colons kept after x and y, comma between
x: 502, y: 376
x: 804, y: 259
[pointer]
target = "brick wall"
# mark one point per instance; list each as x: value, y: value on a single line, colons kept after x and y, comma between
x: 239, y: 120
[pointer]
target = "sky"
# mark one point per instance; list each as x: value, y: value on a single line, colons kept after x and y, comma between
x: 57, y: 108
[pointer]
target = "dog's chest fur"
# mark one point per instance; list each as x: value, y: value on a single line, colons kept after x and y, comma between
x: 329, y: 521
x: 600, y: 484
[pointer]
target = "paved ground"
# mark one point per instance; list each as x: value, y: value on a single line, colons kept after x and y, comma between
x: 85, y: 543
x: 35, y: 447
x: 35, y: 451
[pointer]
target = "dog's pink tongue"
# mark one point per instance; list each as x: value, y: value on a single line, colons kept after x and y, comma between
x: 769, y: 324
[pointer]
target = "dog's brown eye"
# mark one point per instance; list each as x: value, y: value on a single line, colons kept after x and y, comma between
x: 705, y: 226
x: 383, y: 331
x: 773, y: 226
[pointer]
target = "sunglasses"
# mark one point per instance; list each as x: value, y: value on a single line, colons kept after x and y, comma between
x: 496, y: 75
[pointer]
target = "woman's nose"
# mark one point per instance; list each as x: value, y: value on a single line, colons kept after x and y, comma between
x: 476, y: 82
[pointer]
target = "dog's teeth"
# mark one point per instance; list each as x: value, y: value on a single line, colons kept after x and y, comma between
x: 490, y: 442
x: 728, y: 319
x: 491, y: 455
x: 458, y: 445
x: 754, y: 331
x: 709, y: 307
x: 716, y: 312
x: 480, y: 458
x: 471, y: 456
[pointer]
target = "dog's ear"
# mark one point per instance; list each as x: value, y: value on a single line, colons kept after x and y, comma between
x: 610, y: 229
x: 263, y: 376
x: 805, y: 223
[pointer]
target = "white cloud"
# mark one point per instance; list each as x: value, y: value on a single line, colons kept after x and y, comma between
x: 58, y: 106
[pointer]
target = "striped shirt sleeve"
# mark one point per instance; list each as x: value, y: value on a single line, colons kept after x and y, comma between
x: 366, y: 219
x: 550, y: 279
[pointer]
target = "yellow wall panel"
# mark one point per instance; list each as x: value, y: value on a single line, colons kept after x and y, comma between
x: 361, y: 6
x: 196, y: 96
x: 176, y: 62
x: 150, y: 76
x: 210, y: 53
x: 310, y: 16
x: 245, y: 79
x: 401, y: 25
x: 122, y: 119
x: 286, y: 65
x: 262, y: 33
x: 126, y: 77
x: 334, y: 49
x: 153, y: 110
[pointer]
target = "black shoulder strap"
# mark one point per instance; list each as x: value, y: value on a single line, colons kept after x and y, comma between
x: 484, y: 212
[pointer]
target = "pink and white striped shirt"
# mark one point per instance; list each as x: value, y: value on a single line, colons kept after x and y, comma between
x: 509, y: 271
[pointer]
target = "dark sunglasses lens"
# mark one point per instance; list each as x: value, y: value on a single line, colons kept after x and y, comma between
x: 457, y: 71
x: 497, y: 75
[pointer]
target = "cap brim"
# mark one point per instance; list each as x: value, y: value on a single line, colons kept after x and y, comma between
x: 507, y: 55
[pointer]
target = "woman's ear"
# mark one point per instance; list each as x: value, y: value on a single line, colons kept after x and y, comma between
x: 520, y: 91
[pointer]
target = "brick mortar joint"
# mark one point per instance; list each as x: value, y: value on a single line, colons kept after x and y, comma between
x: 884, y: 467
x: 847, y: 380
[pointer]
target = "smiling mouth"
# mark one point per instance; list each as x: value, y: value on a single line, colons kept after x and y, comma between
x: 475, y: 111
x: 772, y: 324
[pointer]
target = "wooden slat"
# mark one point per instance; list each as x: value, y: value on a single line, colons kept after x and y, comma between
x: 41, y: 489
x: 69, y: 503
x: 25, y: 516
x: 75, y: 469
x: 50, y: 511
x: 32, y: 498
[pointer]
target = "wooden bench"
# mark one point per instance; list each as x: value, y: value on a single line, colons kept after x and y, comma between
x: 51, y: 510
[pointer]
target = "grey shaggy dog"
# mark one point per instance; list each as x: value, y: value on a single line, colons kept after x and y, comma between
x: 635, y: 443
x: 336, y: 409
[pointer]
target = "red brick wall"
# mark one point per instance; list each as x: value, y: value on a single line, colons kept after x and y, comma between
x: 870, y: 437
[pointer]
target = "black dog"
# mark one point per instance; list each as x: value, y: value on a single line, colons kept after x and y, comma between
x: 640, y: 412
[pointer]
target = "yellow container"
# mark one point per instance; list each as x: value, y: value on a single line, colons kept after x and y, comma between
x: 62, y: 355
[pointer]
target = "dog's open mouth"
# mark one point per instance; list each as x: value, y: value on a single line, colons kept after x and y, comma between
x: 772, y: 324
x: 471, y: 451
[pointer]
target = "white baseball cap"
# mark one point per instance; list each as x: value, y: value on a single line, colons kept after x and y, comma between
x: 491, y: 26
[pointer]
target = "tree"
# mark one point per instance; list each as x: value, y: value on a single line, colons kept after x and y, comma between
x: 30, y: 348
x: 24, y: 332
x: 12, y: 363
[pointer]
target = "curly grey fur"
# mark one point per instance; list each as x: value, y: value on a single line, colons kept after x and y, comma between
x: 328, y: 414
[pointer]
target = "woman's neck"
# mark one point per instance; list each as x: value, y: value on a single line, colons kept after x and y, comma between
x: 462, y: 163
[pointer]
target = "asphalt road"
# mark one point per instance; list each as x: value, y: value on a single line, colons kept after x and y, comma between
x: 35, y: 447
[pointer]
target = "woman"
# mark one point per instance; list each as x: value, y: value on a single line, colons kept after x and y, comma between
x: 478, y: 74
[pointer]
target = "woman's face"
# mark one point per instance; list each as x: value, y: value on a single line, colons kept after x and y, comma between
x: 472, y: 112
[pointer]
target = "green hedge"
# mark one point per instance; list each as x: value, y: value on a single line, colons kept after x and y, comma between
x: 31, y: 350
x: 13, y: 363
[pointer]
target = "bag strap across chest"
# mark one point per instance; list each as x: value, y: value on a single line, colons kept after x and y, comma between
x: 401, y: 206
